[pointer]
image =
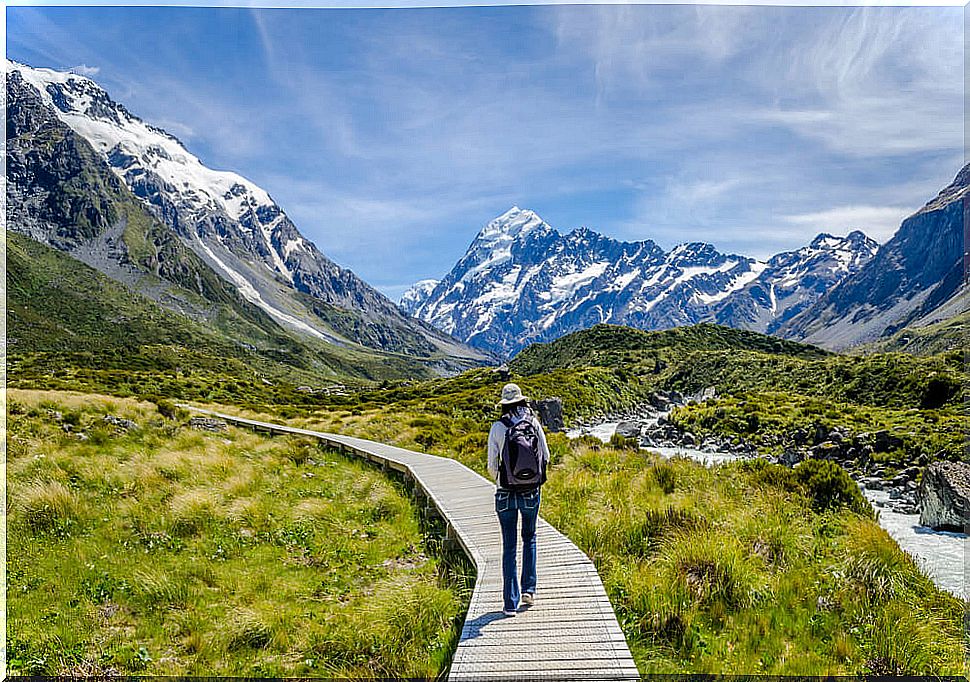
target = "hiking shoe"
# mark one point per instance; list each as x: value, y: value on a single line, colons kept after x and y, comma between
x: 508, y: 613
x: 528, y: 599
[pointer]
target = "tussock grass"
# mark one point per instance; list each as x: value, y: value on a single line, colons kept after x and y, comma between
x: 46, y: 505
x: 741, y: 569
x: 157, y: 589
x: 168, y: 551
x: 712, y: 568
x: 874, y: 564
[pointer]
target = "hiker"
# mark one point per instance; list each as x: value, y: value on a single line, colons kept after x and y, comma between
x: 517, y: 459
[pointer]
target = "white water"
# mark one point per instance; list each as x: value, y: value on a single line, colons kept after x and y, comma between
x: 942, y: 555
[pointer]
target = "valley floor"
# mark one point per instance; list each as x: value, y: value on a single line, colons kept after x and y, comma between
x: 186, y: 552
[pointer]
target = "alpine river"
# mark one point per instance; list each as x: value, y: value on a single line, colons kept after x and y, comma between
x: 942, y: 555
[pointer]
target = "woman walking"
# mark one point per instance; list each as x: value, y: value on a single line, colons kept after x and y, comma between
x: 517, y: 459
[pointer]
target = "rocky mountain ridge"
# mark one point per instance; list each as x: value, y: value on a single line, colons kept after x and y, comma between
x: 917, y: 278
x: 521, y: 281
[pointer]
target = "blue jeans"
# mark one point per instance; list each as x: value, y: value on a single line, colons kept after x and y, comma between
x: 508, y: 504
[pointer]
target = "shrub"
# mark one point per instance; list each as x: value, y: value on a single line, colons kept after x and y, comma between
x: 713, y: 570
x: 830, y: 487
x: 244, y: 629
x: 902, y: 645
x: 587, y: 441
x: 874, y: 564
x: 299, y: 450
x: 559, y: 447
x: 619, y: 442
x: 938, y: 392
x: 191, y: 511
x: 170, y: 410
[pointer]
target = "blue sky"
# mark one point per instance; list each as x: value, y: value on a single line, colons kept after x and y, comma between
x: 391, y: 136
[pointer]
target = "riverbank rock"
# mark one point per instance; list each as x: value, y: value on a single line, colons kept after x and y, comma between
x: 944, y: 496
x: 208, y: 424
x: 790, y: 457
x: 550, y: 413
x: 628, y: 429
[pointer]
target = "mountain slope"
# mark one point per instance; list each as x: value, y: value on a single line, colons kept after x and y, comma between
x: 793, y: 280
x: 231, y: 225
x: 521, y: 282
x: 77, y: 316
x: 915, y: 279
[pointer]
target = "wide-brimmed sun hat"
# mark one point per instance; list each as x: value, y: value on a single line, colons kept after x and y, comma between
x: 511, y: 393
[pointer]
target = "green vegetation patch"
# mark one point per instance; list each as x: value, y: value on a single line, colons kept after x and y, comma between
x: 150, y: 548
x: 768, y: 418
x: 747, y: 568
x: 751, y: 568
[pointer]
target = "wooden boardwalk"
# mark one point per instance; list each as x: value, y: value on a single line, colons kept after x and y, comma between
x: 571, y: 632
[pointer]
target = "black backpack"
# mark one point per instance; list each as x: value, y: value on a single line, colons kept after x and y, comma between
x: 522, y: 467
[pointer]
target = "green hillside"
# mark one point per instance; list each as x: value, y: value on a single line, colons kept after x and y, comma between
x: 692, y: 358
x: 606, y: 345
x: 71, y: 327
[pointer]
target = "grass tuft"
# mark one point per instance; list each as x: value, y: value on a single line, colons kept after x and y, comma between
x: 47, y: 505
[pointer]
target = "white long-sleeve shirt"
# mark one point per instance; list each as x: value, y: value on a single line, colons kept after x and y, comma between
x: 496, y: 441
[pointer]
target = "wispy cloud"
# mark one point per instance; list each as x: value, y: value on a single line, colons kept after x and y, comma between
x: 85, y: 70
x: 879, y: 222
x: 390, y: 137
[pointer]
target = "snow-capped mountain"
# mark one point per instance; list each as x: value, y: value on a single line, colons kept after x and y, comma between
x: 917, y: 278
x: 521, y: 281
x: 229, y: 222
x: 793, y: 280
x: 416, y: 295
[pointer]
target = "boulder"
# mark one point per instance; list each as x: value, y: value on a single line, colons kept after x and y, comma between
x: 121, y: 423
x: 208, y: 424
x: 628, y: 429
x: 944, y: 496
x: 707, y: 393
x: 550, y: 413
x: 790, y: 457
x: 688, y: 439
x: 820, y: 434
x: 886, y: 442
x: 660, y: 401
x: 827, y: 450
x: 910, y: 473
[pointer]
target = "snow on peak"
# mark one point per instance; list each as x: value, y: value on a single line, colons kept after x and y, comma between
x: 133, y: 148
x: 515, y: 222
x: 417, y: 293
x: 130, y: 143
